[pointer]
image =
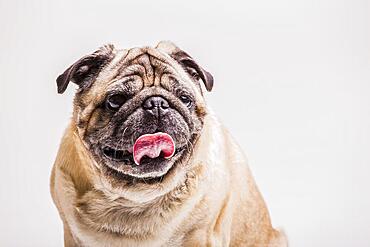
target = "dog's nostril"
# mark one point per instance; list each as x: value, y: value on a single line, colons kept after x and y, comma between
x: 164, y: 104
x: 148, y: 105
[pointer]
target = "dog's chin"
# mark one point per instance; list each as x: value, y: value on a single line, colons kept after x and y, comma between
x: 120, y: 163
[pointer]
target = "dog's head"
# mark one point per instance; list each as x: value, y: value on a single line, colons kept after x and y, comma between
x: 139, y: 112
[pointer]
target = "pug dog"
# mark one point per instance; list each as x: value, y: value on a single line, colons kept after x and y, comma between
x: 145, y: 162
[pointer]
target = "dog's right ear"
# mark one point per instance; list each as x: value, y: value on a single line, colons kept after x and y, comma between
x: 85, y: 70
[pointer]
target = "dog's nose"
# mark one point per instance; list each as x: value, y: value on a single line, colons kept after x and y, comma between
x: 156, y: 105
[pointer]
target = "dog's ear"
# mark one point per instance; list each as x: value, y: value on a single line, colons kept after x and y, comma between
x: 187, y: 62
x: 85, y: 70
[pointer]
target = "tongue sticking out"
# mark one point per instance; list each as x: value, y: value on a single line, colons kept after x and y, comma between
x: 151, y: 145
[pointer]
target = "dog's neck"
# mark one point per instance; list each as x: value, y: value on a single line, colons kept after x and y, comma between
x: 119, y: 216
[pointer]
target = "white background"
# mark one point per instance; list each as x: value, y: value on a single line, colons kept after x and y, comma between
x: 292, y: 83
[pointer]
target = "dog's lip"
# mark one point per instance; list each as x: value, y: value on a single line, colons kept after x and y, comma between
x: 123, y: 149
x: 117, y: 154
x: 125, y: 155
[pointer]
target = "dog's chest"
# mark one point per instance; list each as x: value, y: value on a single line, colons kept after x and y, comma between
x: 100, y: 221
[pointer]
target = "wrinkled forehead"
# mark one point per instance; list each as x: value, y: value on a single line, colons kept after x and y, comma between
x: 151, y: 66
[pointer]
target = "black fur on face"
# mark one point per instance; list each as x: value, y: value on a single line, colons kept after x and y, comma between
x: 116, y: 131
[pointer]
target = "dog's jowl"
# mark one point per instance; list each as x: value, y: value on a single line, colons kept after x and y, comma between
x: 144, y: 162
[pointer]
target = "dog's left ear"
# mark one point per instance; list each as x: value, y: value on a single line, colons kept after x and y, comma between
x: 86, y: 69
x: 187, y: 62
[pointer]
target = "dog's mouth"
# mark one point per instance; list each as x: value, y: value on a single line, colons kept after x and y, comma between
x: 151, y: 154
x: 118, y: 154
x: 126, y: 157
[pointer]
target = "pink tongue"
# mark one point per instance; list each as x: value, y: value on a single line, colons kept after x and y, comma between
x: 152, y: 145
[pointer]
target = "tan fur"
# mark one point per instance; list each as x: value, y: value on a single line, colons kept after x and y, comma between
x: 213, y: 202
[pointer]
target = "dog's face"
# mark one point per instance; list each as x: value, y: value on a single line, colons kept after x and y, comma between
x: 138, y: 112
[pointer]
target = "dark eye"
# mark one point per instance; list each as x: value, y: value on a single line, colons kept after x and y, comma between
x: 193, y: 73
x: 186, y: 100
x: 114, y: 102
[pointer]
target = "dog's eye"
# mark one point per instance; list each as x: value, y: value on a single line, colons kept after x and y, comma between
x: 186, y: 100
x: 114, y: 102
x: 193, y: 73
